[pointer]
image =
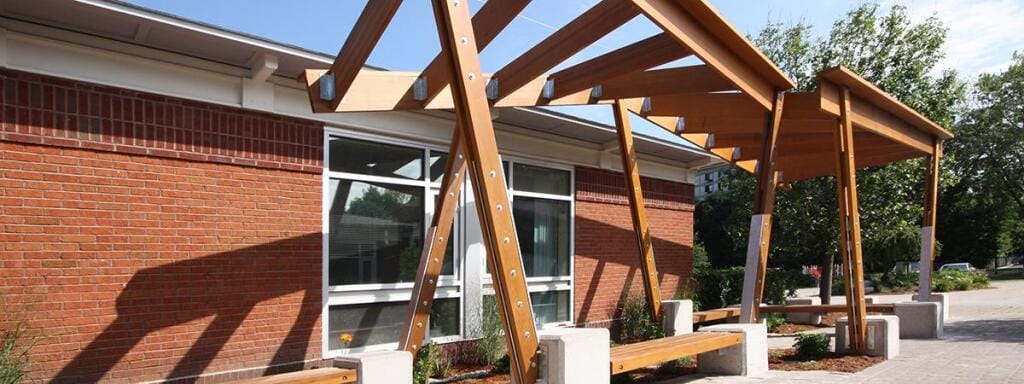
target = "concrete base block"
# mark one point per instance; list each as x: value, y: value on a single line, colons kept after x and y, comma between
x: 379, y: 366
x: 750, y: 358
x: 575, y: 356
x: 677, y: 317
x: 870, y: 300
x: 804, y: 318
x: 919, y: 320
x: 942, y: 299
x: 883, y: 336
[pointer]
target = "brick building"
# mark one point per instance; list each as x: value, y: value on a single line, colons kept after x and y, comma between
x: 171, y: 209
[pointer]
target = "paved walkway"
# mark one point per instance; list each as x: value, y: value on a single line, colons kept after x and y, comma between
x: 984, y: 343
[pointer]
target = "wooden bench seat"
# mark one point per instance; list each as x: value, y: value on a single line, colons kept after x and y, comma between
x: 309, y: 376
x: 823, y: 308
x: 625, y: 358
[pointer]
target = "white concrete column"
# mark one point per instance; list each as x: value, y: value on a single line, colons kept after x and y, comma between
x: 750, y: 358
x: 677, y: 317
x: 924, y: 282
x: 378, y: 366
x: 575, y: 356
x: 752, y: 267
x: 883, y: 336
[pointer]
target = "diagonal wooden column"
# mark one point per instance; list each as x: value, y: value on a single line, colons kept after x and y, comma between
x: 849, y: 226
x: 759, y: 241
x: 472, y: 112
x: 631, y: 172
x: 434, y: 246
x: 931, y: 197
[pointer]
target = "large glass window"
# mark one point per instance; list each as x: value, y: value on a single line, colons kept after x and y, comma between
x: 379, y: 200
x: 376, y: 232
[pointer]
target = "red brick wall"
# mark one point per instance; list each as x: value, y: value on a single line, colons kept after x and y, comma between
x: 148, y: 237
x: 607, y: 258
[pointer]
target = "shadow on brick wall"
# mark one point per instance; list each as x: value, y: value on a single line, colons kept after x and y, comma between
x: 613, y: 248
x: 227, y: 286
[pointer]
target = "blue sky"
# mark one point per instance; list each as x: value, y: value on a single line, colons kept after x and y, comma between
x: 983, y: 33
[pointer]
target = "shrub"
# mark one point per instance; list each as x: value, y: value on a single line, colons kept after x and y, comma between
x: 502, y: 365
x: 720, y: 288
x: 945, y: 281
x: 774, y: 321
x: 430, y: 363
x: 811, y: 345
x: 894, y: 281
x: 15, y: 342
x: 636, y: 322
x: 491, y: 346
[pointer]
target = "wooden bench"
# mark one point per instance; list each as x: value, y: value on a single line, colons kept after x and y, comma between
x: 715, y: 315
x: 309, y: 376
x: 625, y: 358
x: 824, y: 308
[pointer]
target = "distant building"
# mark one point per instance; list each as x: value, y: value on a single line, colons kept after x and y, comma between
x: 709, y: 180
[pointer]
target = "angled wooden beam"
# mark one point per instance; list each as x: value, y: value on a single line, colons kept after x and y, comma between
x: 417, y: 319
x: 583, y: 31
x: 359, y: 44
x: 732, y: 105
x: 637, y: 57
x: 822, y: 164
x: 502, y: 245
x: 931, y: 197
x: 488, y: 22
x: 849, y: 225
x: 869, y: 117
x: 668, y: 81
x: 681, y: 24
x: 634, y: 190
x: 759, y: 241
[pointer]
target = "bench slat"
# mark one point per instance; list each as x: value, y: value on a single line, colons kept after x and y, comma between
x: 635, y: 356
x: 311, y: 376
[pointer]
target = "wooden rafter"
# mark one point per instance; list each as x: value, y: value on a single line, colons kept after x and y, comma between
x: 732, y: 105
x: 668, y: 81
x: 473, y: 116
x: 360, y: 43
x: 676, y: 19
x: 583, y: 31
x: 872, y: 118
x: 634, y: 190
x: 648, y: 53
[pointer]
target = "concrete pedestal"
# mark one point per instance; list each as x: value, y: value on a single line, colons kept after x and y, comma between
x: 883, y: 336
x: 378, y: 366
x: 940, y: 298
x: 919, y: 320
x: 804, y: 318
x: 677, y: 317
x: 575, y: 356
x: 750, y: 358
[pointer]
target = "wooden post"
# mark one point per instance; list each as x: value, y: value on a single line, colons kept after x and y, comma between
x: 473, y: 115
x: 931, y: 197
x: 761, y: 222
x: 435, y: 244
x: 631, y: 173
x: 849, y: 225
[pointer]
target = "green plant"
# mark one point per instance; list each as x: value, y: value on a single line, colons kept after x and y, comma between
x: 811, y: 345
x: 502, y: 365
x: 430, y: 363
x: 15, y: 342
x: 720, y: 288
x: 636, y: 322
x: 672, y: 365
x: 946, y: 281
x: 774, y: 320
x: 491, y: 346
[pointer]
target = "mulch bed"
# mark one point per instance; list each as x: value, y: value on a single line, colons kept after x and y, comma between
x: 787, y: 360
x: 790, y: 329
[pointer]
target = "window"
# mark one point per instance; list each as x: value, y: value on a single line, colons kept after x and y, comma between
x: 379, y: 198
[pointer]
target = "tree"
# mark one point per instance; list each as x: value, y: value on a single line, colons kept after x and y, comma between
x: 899, y: 57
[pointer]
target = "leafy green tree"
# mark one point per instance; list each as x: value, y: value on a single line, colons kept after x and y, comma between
x: 898, y: 56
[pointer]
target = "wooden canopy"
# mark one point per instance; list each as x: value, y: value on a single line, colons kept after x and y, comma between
x: 885, y: 130
x: 732, y: 104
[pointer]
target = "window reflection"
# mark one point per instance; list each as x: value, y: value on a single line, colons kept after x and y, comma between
x: 543, y: 230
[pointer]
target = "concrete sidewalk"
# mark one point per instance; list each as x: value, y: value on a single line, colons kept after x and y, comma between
x: 984, y: 343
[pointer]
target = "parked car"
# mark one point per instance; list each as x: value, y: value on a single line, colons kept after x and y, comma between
x: 956, y: 267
